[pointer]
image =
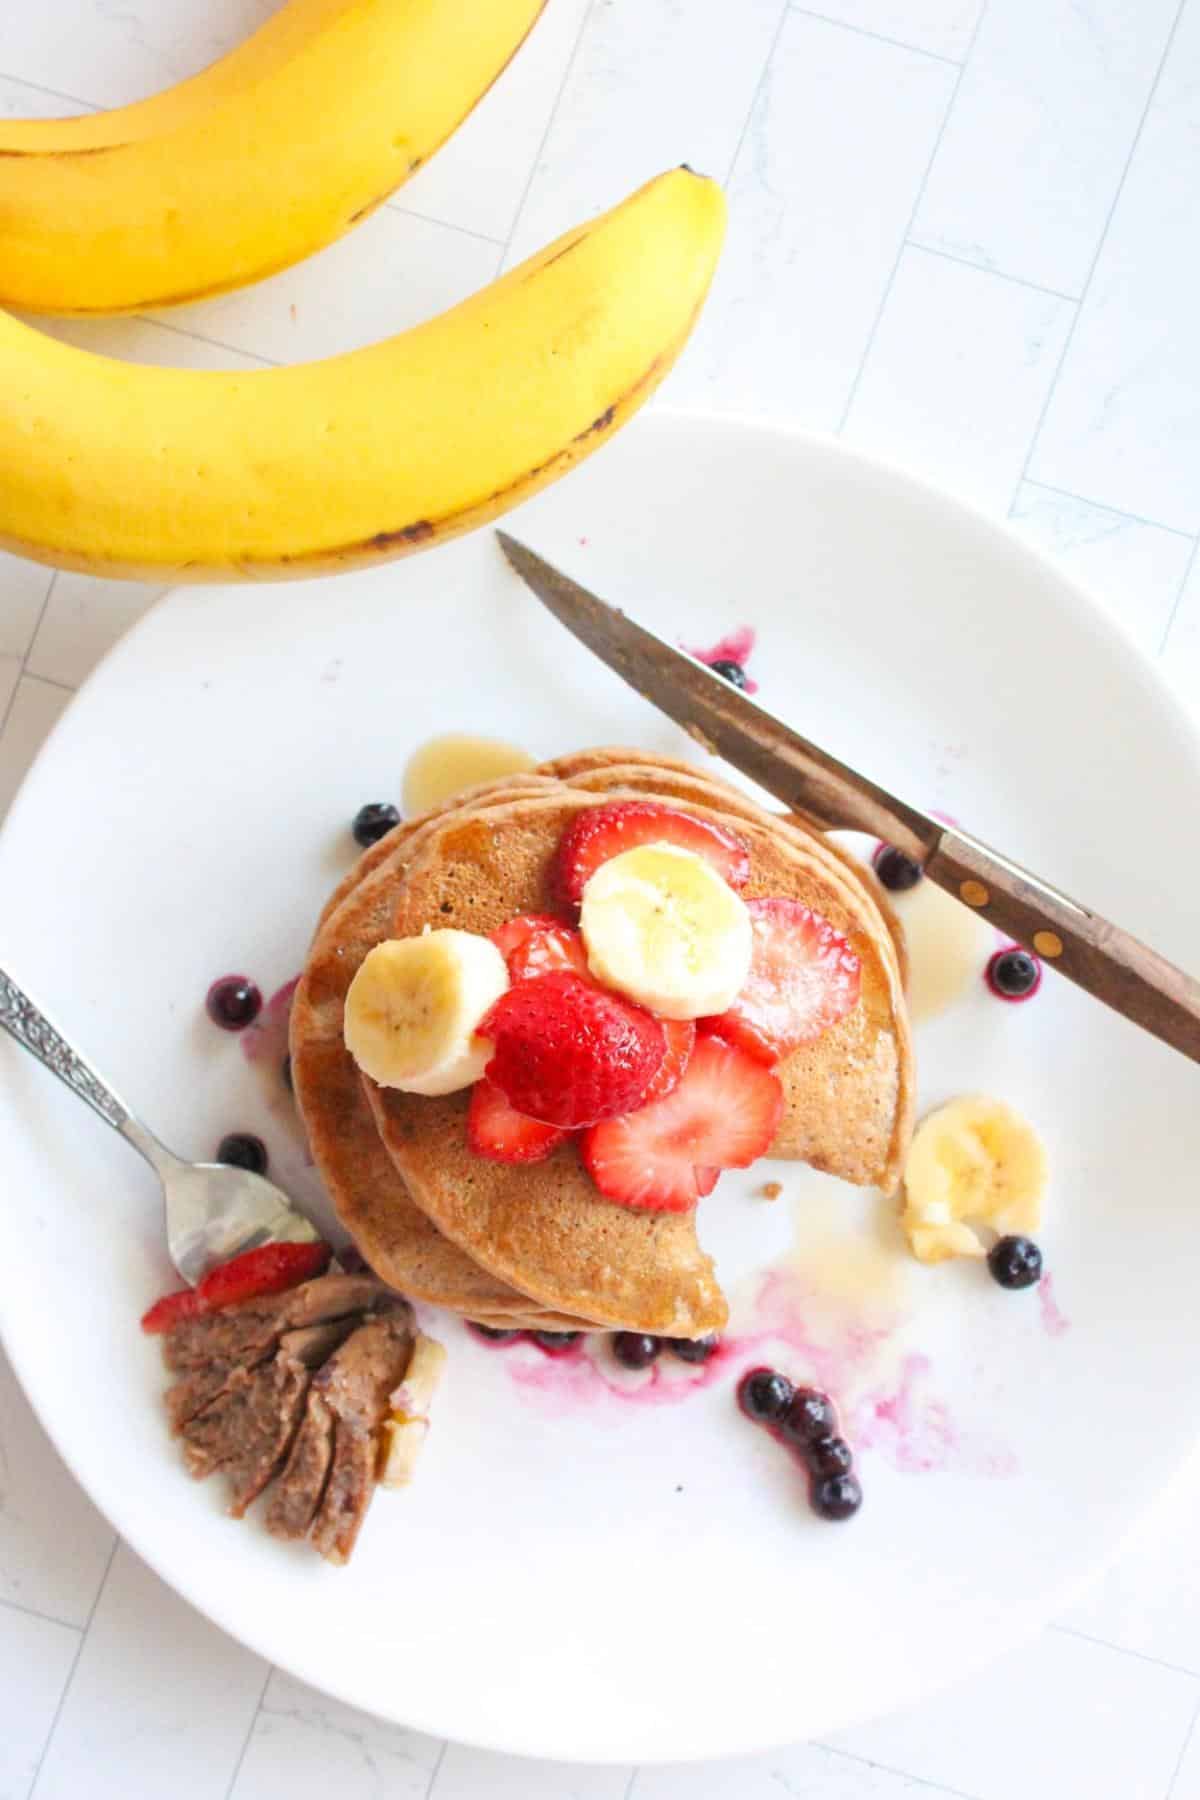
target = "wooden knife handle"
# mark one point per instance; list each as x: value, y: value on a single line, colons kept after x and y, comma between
x: 1116, y: 968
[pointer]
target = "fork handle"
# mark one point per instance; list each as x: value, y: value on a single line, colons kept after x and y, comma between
x: 1097, y: 956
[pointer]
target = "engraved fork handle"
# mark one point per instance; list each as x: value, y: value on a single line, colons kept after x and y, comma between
x: 34, y: 1032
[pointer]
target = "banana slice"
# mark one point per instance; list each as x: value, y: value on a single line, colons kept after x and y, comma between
x: 974, y: 1162
x: 413, y: 1008
x: 407, y: 1425
x: 662, y: 926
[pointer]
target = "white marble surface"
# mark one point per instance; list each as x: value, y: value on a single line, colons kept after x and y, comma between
x: 963, y: 233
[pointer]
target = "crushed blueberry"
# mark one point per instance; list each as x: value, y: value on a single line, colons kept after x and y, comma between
x: 556, y: 1342
x: 828, y: 1455
x: 896, y: 871
x: 764, y: 1395
x: 809, y: 1416
x: 1015, y: 1262
x: 233, y: 1002
x: 635, y: 1349
x: 1014, y: 974
x: 730, y: 671
x: 374, y: 821
x: 496, y: 1334
x: 694, y: 1350
x: 242, y: 1150
x: 837, y: 1497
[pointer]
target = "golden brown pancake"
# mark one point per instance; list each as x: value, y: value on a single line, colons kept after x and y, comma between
x: 543, y: 1228
x: 397, y: 1239
x: 498, y: 788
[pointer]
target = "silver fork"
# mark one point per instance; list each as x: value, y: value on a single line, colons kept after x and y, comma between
x: 213, y: 1211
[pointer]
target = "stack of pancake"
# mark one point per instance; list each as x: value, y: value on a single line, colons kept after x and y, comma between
x: 538, y: 1246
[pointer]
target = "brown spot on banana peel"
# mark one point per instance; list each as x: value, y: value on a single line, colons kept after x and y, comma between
x: 66, y: 155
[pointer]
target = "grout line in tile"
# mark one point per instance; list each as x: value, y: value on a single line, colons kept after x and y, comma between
x: 23, y: 671
x: 241, y: 1756
x: 809, y: 12
x: 1048, y: 487
x: 759, y: 85
x: 33, y: 1612
x: 37, y: 87
x: 1100, y: 243
x: 964, y: 262
x: 912, y: 217
x: 1188, y: 1735
x: 200, y: 337
x: 410, y: 212
x: 1178, y: 602
x: 545, y: 138
x: 867, y: 1762
x: 437, y: 1769
x: 62, y: 1698
x: 64, y: 687
x: 1157, y: 1662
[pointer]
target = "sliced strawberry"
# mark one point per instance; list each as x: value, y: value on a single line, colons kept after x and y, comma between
x: 502, y: 1134
x: 172, y: 1310
x: 605, y: 831
x: 723, y: 1114
x: 803, y: 978
x: 681, y: 1038
x: 536, y: 944
x: 569, y: 1053
x: 268, y: 1270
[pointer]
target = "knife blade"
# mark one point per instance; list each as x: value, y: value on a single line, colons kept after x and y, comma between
x: 1108, y: 963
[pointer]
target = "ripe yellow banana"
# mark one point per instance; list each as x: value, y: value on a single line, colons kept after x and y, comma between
x: 255, y: 163
x: 196, y: 475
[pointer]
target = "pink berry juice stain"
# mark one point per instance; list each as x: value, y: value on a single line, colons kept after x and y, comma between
x: 889, y: 1405
x: 736, y: 646
x: 1054, y: 1321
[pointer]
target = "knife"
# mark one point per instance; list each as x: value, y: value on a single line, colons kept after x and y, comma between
x: 1107, y: 962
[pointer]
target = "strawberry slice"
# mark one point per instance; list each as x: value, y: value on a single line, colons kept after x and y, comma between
x: 803, y: 978
x: 681, y: 1040
x: 496, y: 1129
x: 268, y: 1270
x: 723, y: 1114
x: 535, y: 944
x: 605, y: 831
x: 569, y: 1052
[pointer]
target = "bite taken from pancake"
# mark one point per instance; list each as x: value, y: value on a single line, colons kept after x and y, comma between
x: 536, y: 1026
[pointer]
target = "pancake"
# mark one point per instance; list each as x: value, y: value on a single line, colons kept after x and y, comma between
x: 670, y: 777
x: 543, y: 1228
x: 395, y: 1236
x: 501, y: 786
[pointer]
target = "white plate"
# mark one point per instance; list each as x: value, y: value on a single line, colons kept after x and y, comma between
x: 575, y: 1576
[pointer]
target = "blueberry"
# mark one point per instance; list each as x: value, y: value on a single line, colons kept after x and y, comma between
x: 729, y: 671
x: 693, y: 1350
x: 1015, y: 1262
x: 496, y: 1334
x: 557, y: 1341
x: 635, y: 1350
x: 243, y: 1151
x: 837, y: 1497
x: 285, y: 1070
x: 374, y: 821
x: 233, y: 1002
x: 896, y: 871
x: 828, y: 1455
x: 1013, y: 974
x: 764, y: 1395
x: 809, y: 1416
